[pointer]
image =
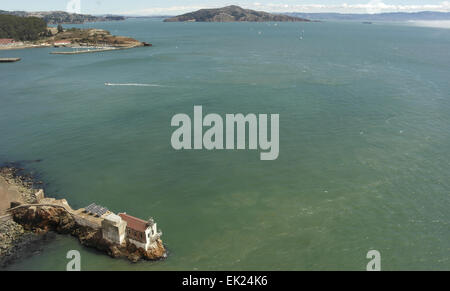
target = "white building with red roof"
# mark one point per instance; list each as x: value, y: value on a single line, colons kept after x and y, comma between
x: 6, y: 41
x: 143, y: 234
x: 62, y: 43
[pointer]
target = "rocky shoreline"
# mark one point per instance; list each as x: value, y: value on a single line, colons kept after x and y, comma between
x: 24, y: 182
x: 42, y: 219
x: 17, y: 243
x: 33, y: 217
x: 77, y: 38
x: 13, y: 236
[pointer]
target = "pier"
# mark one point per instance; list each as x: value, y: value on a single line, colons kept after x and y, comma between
x: 84, y: 51
x: 87, y: 51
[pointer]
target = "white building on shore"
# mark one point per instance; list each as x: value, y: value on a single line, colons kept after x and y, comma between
x: 122, y: 228
x: 141, y: 233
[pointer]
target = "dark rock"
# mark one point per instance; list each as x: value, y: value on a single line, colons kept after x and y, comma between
x: 15, y: 204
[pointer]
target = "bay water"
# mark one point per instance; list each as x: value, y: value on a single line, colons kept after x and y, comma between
x: 364, y: 158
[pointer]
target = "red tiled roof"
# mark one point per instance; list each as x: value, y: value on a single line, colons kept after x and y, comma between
x: 6, y: 40
x: 134, y: 223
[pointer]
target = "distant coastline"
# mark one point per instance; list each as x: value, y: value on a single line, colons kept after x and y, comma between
x: 233, y: 13
x: 391, y: 16
x: 62, y: 17
x: 386, y: 16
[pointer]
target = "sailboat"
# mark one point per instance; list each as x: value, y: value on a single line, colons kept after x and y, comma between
x: 303, y: 33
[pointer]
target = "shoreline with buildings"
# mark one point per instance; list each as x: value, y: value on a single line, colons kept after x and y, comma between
x: 11, y: 44
x: 80, y: 40
x: 27, y: 216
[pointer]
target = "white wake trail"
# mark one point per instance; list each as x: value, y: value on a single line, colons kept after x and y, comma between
x: 133, y: 84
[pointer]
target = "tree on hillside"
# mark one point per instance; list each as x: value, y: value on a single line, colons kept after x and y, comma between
x: 22, y: 28
x: 60, y: 28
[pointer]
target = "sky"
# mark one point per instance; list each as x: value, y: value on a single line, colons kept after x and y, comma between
x: 174, y: 7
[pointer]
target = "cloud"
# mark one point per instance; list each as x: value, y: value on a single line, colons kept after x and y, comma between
x: 163, y: 10
x: 373, y: 6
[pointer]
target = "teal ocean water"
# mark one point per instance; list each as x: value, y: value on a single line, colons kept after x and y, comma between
x: 364, y: 143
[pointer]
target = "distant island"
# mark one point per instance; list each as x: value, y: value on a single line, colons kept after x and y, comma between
x: 61, y: 17
x: 233, y: 14
x: 392, y: 16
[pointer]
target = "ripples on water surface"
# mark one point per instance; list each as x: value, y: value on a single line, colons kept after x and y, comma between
x: 364, y: 142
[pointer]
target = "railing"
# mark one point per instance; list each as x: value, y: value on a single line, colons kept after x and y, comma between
x: 78, y: 219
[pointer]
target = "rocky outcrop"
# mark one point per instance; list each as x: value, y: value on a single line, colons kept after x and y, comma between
x: 33, y: 219
x: 17, y: 243
x: 10, y: 232
x: 24, y: 183
x: 15, y: 185
x: 41, y: 219
x: 95, y: 37
x: 232, y: 14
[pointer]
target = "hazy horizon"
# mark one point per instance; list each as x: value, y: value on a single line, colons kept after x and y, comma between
x: 175, y: 7
x: 276, y: 12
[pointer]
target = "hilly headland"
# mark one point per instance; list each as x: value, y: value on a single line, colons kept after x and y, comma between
x: 17, y: 32
x: 233, y: 13
x: 62, y: 17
